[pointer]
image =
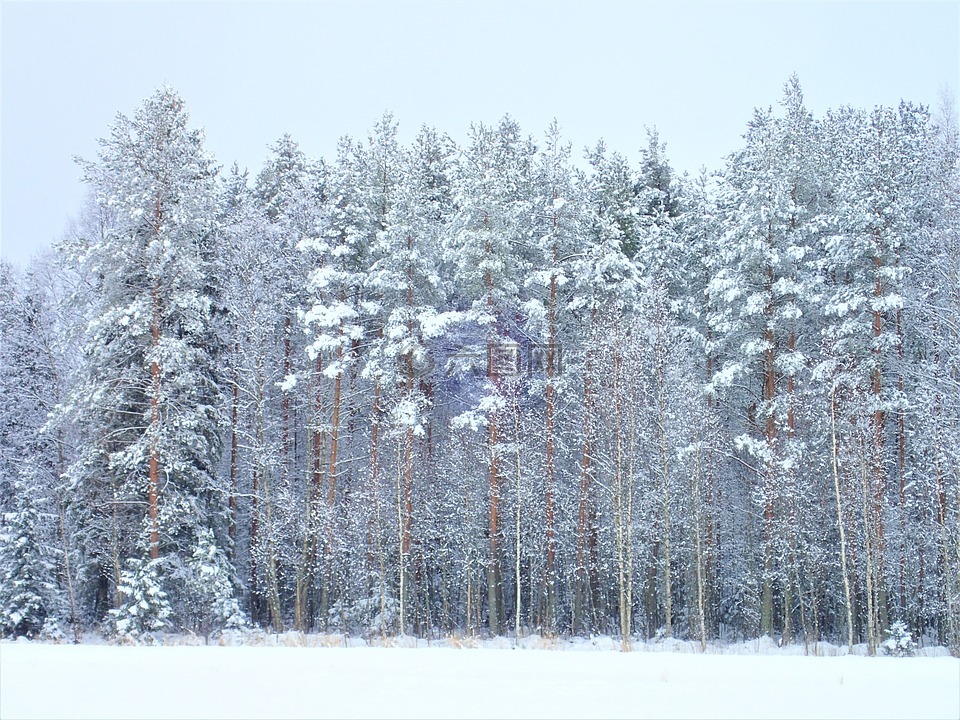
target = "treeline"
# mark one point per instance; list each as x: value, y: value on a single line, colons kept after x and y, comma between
x: 433, y: 389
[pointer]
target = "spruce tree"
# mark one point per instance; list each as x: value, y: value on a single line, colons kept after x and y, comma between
x: 27, y: 590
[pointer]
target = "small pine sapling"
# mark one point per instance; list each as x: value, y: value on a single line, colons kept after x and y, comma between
x: 145, y: 608
x: 900, y: 642
x: 216, y: 606
x: 25, y: 574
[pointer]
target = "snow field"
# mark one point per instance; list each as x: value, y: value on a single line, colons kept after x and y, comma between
x: 104, y: 681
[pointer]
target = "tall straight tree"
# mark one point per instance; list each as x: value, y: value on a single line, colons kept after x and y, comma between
x: 404, y: 280
x: 257, y: 303
x: 555, y: 232
x: 761, y: 289
x: 605, y: 287
x: 493, y: 203
x: 883, y: 208
x: 333, y: 288
x: 289, y: 189
x: 151, y: 389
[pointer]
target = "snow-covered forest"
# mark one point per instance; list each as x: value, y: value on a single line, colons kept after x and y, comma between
x: 498, y: 387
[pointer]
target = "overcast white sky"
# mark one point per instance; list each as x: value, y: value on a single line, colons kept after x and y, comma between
x: 250, y: 72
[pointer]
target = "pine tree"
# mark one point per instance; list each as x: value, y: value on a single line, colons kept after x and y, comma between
x: 290, y: 190
x: 880, y: 177
x: 145, y: 609
x: 150, y: 399
x: 932, y: 370
x: 333, y: 317
x: 555, y: 235
x: 762, y: 290
x: 404, y: 281
x: 481, y: 239
x: 605, y: 284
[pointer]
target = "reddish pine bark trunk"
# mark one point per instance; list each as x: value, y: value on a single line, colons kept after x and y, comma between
x: 285, y: 400
x: 234, y: 420
x: 878, y: 465
x: 334, y: 434
x: 154, y: 472
x: 770, y: 433
x: 493, y: 570
x: 317, y: 438
x: 901, y: 469
x: 374, y: 461
x: 408, y: 445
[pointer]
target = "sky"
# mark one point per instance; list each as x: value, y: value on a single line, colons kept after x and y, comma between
x: 250, y: 72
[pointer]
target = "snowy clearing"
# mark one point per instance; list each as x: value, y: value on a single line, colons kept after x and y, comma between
x: 103, y: 681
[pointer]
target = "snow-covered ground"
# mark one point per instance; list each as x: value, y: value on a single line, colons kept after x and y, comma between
x: 442, y: 681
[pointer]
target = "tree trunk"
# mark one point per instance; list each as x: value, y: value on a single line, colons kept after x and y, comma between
x: 376, y: 530
x: 665, y: 470
x: 401, y: 547
x: 255, y: 598
x: 698, y: 548
x: 869, y: 546
x: 621, y: 522
x: 234, y: 435
x: 626, y: 612
x: 154, y: 472
x: 582, y: 589
x: 843, y: 539
x: 273, y: 591
x: 879, y: 465
x: 493, y: 566
x: 115, y: 542
x: 406, y: 518
x: 65, y: 541
x: 517, y: 579
x: 901, y: 469
x: 791, y: 574
x: 766, y: 602
x: 326, y: 592
x: 285, y: 421
x: 468, y: 522
x: 550, y: 569
x: 308, y: 556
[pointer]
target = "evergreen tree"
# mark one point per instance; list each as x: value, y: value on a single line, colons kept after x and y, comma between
x: 882, y: 203
x: 554, y: 239
x: 257, y: 302
x: 149, y: 400
x: 482, y: 239
x: 762, y: 290
x: 333, y: 318
x: 405, y: 283
x: 211, y: 587
x: 27, y: 590
x: 605, y: 285
x: 144, y: 609
x: 463, y: 384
